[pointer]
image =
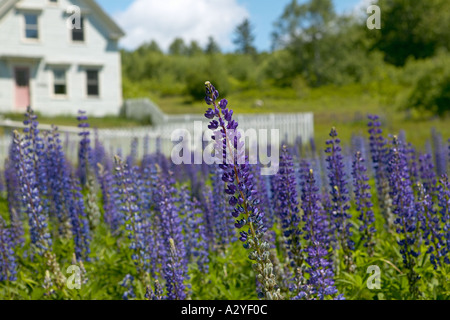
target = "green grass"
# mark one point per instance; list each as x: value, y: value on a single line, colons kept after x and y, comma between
x: 95, y: 122
x: 345, y: 108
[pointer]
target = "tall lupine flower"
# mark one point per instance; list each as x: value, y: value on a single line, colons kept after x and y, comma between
x: 428, y: 175
x: 320, y: 283
x: 86, y: 170
x: 92, y: 210
x: 78, y: 218
x: 100, y: 156
x: 156, y: 294
x: 404, y: 210
x: 195, y: 240
x: 378, y: 152
x: 287, y: 208
x: 243, y: 197
x: 448, y: 162
x: 110, y: 213
x: 84, y: 151
x: 440, y: 154
x: 127, y: 283
x: 211, y: 217
x: 31, y: 200
x: 431, y: 229
x: 175, y: 272
x: 34, y: 147
x: 128, y: 205
x: 29, y: 189
x: 224, y: 222
x: 339, y: 198
x: 413, y: 163
x: 13, y: 197
x: 133, y: 156
x: 363, y: 202
x: 154, y: 241
x: 444, y: 210
x: 2, y: 182
x: 213, y: 222
x: 57, y: 170
x: 262, y: 186
x: 8, y: 264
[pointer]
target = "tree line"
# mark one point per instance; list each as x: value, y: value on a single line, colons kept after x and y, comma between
x: 312, y: 46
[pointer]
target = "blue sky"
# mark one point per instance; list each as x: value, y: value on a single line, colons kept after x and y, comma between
x: 262, y: 14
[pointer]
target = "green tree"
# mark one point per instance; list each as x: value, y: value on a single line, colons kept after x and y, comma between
x: 303, y: 30
x: 244, y: 38
x: 412, y: 28
x: 212, y: 47
x: 194, y: 49
x: 149, y: 47
x: 178, y: 47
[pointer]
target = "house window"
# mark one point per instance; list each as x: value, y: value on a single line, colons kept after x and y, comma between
x: 92, y: 83
x: 53, y: 1
x: 78, y: 33
x: 59, y: 82
x: 31, y: 26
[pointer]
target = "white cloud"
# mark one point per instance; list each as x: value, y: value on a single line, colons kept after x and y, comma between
x: 165, y: 20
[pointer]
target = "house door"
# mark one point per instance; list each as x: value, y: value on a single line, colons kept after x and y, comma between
x: 22, y: 87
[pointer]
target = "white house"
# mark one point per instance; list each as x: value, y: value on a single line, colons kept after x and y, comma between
x: 55, y: 68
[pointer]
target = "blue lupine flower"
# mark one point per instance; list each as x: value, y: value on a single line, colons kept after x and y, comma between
x: 339, y: 197
x: 240, y: 187
x: 444, y: 210
x: 378, y: 153
x: 320, y: 283
x: 427, y: 174
x: 194, y: 231
x: 223, y: 221
x: 127, y: 283
x: 8, y: 264
x: 84, y: 151
x: 363, y: 202
x: 175, y: 271
x: 431, y: 229
x: 440, y: 153
x: 13, y: 197
x: 127, y: 202
x: 287, y: 207
x: 31, y: 198
x: 109, y: 194
x: 77, y: 216
x: 406, y: 218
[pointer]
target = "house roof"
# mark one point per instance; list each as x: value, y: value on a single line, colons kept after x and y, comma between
x: 116, y: 31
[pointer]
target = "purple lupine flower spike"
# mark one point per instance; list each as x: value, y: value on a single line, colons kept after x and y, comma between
x: 8, y: 263
x: 378, y: 153
x: 363, y: 202
x: 242, y: 194
x: 287, y: 207
x: 320, y: 283
x: 403, y: 205
x: 339, y: 198
x: 431, y: 228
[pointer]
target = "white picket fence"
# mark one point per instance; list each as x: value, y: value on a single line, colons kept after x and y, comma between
x: 118, y: 141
